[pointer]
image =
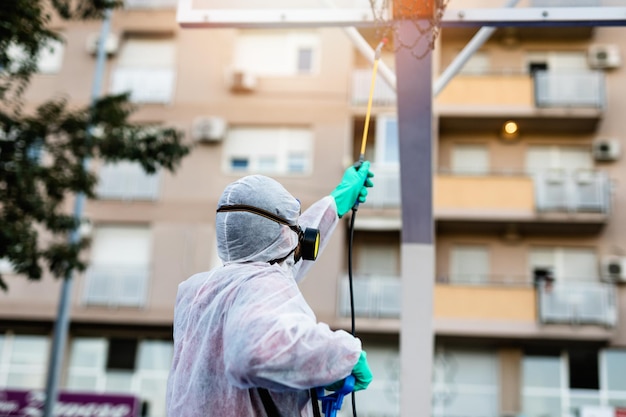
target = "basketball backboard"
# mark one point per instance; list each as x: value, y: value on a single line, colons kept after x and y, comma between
x: 274, y: 13
x: 363, y: 13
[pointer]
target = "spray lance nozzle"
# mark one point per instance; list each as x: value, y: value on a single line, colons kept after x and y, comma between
x: 379, y: 48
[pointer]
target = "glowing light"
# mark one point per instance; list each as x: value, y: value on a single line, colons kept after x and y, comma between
x: 510, y: 128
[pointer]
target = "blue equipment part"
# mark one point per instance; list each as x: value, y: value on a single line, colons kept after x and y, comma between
x: 332, y: 403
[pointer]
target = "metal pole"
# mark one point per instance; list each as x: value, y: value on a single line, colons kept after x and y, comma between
x: 472, y: 46
x: 62, y: 322
x: 415, y: 117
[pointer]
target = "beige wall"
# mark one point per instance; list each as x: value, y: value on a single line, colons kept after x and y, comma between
x: 182, y: 219
x: 498, y: 196
x: 489, y: 89
x: 472, y: 303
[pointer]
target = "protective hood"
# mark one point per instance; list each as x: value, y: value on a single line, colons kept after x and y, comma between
x: 247, y: 237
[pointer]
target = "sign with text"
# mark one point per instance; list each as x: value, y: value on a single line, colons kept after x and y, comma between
x: 29, y: 403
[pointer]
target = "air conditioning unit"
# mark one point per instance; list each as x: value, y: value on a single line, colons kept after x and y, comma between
x: 242, y: 81
x: 111, y: 44
x: 613, y: 268
x: 604, y: 56
x: 208, y: 129
x: 606, y: 150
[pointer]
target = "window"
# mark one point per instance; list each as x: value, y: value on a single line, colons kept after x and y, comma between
x: 566, y: 264
x: 277, y: 53
x: 613, y: 365
x: 305, y: 60
x: 268, y: 150
x: 376, y: 285
x: 23, y: 361
x: 565, y: 382
x: 122, y: 354
x: 478, y: 64
x: 387, y: 147
x: 556, y: 61
x: 119, y: 270
x: 542, y: 383
x: 583, y: 369
x: 383, y: 394
x: 379, y: 259
x: 557, y: 158
x: 469, y: 264
x: 146, y: 69
x: 95, y: 365
x: 470, y: 159
x: 126, y: 181
x: 465, y: 383
x: 49, y: 60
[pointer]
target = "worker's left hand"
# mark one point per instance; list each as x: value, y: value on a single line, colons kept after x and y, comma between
x: 353, y: 187
x: 362, y: 375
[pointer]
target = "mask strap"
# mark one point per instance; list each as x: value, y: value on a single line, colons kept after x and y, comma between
x: 255, y: 210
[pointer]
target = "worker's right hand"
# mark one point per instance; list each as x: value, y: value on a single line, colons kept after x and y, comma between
x: 362, y: 375
x: 353, y: 187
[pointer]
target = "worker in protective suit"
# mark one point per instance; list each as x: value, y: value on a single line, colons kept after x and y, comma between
x: 246, y: 343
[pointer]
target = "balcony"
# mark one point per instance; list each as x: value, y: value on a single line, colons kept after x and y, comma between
x: 559, y: 201
x: 577, y: 89
x: 126, y: 181
x: 506, y: 306
x: 577, y: 303
x: 378, y: 297
x: 575, y: 192
x: 123, y: 286
x: 544, y: 102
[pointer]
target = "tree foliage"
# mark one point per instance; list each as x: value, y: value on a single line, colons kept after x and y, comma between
x: 43, y: 154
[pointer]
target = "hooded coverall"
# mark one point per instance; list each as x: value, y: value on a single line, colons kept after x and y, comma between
x: 245, y: 325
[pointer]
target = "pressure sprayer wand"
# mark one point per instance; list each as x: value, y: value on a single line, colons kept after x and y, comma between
x: 368, y: 113
x: 371, y: 98
x: 332, y: 403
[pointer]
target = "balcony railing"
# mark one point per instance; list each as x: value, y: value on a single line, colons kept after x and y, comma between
x: 582, y: 191
x: 116, y: 286
x: 577, y: 303
x: 361, y: 83
x: 569, y: 89
x: 374, y: 296
x: 127, y: 181
x: 146, y: 85
x: 579, y: 191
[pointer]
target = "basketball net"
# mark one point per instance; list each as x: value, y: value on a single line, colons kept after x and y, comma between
x: 425, y: 15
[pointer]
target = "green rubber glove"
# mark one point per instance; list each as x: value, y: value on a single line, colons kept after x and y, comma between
x: 362, y: 373
x: 362, y: 376
x: 353, y: 186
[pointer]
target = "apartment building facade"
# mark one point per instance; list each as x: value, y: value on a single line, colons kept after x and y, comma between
x: 530, y: 253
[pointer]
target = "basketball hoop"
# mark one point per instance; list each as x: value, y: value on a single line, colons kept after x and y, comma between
x: 425, y: 15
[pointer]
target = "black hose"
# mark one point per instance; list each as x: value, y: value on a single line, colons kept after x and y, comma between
x: 350, y: 281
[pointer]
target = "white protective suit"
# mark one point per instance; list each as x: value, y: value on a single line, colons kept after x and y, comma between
x: 245, y: 324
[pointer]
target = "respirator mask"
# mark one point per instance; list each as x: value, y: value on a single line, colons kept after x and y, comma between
x: 308, y: 239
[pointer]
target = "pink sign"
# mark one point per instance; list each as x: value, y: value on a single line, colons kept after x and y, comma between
x: 25, y: 403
